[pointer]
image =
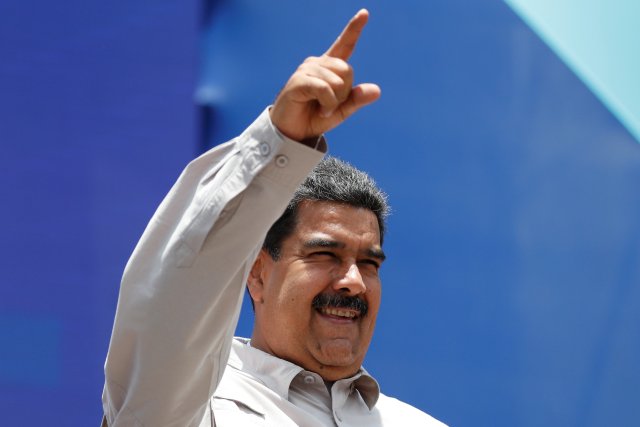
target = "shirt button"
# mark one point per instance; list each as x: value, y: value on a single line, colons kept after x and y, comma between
x: 309, y: 379
x: 282, y: 161
x: 264, y: 148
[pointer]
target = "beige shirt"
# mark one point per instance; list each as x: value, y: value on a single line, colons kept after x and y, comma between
x: 259, y: 389
x: 180, y: 299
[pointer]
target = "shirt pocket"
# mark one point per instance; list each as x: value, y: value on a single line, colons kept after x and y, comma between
x: 231, y: 413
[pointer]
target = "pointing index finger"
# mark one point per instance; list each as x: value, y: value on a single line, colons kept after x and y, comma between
x: 345, y: 44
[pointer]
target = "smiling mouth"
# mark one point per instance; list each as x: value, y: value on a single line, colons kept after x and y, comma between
x: 340, y: 307
x: 339, y: 312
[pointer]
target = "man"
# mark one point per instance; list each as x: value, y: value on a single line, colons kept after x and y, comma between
x: 312, y: 274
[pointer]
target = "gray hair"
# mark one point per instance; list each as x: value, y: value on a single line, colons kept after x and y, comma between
x: 332, y: 180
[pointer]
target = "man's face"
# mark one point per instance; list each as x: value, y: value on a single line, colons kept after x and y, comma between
x: 333, y: 252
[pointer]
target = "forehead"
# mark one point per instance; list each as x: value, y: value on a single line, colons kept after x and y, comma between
x: 336, y: 220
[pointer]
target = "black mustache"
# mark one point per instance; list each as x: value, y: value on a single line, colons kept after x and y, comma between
x: 340, y: 301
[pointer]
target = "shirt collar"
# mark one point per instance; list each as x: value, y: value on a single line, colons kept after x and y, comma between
x: 277, y: 374
x: 367, y: 386
x: 273, y: 372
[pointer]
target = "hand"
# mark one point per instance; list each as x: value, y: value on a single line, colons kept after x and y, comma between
x: 320, y: 94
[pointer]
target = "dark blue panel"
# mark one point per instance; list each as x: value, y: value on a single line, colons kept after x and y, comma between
x: 30, y: 351
x: 96, y: 121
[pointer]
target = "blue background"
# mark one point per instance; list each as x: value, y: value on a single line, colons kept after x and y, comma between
x: 512, y: 290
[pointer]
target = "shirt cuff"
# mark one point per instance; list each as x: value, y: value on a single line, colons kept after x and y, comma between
x: 281, y: 159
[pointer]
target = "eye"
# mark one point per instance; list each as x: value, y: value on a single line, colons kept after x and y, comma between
x: 323, y: 254
x: 370, y: 263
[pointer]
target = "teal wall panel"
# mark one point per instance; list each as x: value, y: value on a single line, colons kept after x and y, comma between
x: 599, y: 40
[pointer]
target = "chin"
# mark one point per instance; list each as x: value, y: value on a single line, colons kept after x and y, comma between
x: 339, y: 353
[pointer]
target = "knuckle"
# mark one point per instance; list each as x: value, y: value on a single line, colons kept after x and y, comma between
x: 297, y: 79
x: 343, y: 66
x: 315, y: 85
x: 344, y: 69
x: 349, y: 69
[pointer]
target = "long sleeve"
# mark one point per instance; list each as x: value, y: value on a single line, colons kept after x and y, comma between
x: 182, y: 288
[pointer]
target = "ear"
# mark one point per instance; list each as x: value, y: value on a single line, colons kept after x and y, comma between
x: 256, y: 279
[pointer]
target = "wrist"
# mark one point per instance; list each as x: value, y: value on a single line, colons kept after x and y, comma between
x: 318, y: 143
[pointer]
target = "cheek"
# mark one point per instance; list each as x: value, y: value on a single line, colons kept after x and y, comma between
x: 374, y: 288
x: 374, y: 296
x: 296, y: 291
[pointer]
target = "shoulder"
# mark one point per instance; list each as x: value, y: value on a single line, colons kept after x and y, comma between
x: 391, y: 410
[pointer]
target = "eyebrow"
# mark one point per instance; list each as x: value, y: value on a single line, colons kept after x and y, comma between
x: 376, y: 253
x: 332, y: 244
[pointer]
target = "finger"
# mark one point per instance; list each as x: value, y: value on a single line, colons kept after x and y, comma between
x: 361, y: 95
x: 345, y: 44
x: 335, y: 72
x: 324, y: 73
x: 319, y: 90
x: 339, y: 67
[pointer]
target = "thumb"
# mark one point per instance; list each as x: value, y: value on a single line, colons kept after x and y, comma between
x: 361, y: 95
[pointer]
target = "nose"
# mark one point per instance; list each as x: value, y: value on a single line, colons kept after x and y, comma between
x: 351, y: 282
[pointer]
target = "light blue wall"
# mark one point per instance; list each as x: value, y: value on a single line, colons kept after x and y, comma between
x: 599, y: 40
x: 512, y: 290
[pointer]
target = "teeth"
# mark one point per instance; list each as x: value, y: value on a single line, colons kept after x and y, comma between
x: 338, y: 312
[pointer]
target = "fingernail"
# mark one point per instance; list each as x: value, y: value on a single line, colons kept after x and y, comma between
x: 326, y: 113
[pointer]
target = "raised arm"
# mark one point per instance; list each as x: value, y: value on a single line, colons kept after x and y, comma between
x: 182, y: 288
